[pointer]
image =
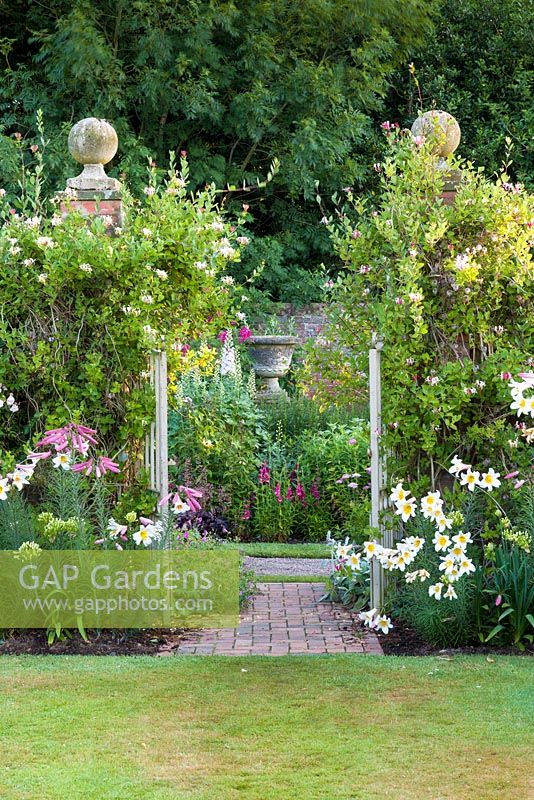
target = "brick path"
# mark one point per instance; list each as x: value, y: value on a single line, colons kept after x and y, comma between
x: 283, y: 619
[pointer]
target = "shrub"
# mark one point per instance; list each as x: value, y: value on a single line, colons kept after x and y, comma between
x: 449, y: 288
x: 81, y: 309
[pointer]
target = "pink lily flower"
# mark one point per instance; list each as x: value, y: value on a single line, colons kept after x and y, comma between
x: 191, y: 496
x: 39, y: 456
x: 105, y: 464
x: 83, y: 466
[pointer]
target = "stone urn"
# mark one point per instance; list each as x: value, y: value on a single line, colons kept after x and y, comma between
x: 271, y: 359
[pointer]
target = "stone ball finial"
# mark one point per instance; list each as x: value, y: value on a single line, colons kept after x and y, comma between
x: 440, y: 126
x: 93, y: 142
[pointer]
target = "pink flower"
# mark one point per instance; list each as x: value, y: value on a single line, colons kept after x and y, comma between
x: 314, y: 491
x: 386, y: 126
x: 352, y: 441
x: 518, y: 485
x: 399, y: 301
x: 356, y: 234
x: 506, y: 376
x: 511, y: 475
x: 222, y: 336
x: 191, y: 497
x: 244, y: 334
x: 105, y: 465
x: 246, y: 513
x: 278, y: 493
x: 83, y: 466
x: 300, y: 492
x: 39, y: 456
x: 498, y: 600
x: 289, y: 493
x: 264, y: 476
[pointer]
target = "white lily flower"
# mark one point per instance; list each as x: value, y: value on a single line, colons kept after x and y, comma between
x: 62, y: 460
x: 441, y: 542
x: 457, y: 466
x: 435, y: 590
x: 450, y: 594
x: 406, y: 508
x: 470, y: 479
x: 490, y: 480
x: 383, y: 624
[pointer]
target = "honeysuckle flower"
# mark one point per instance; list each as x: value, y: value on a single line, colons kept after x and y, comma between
x: 383, y: 624
x: 470, y: 479
x: 45, y: 241
x: 441, y: 542
x: 62, y: 460
x: 435, y: 590
x: 450, y: 593
x: 457, y: 466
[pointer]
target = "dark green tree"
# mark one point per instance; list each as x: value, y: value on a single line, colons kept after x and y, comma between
x: 478, y: 65
x: 236, y: 84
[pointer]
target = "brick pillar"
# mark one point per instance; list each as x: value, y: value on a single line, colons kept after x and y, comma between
x: 93, y: 143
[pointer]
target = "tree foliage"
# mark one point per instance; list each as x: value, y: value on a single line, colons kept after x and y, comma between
x: 235, y: 84
x: 479, y: 66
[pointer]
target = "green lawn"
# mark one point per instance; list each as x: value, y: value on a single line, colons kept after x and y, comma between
x: 306, y: 728
x: 282, y: 549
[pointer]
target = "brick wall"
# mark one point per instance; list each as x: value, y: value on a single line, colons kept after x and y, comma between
x: 309, y: 320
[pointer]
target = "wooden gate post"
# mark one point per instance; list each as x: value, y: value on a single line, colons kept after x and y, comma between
x: 378, y: 479
x: 157, y: 446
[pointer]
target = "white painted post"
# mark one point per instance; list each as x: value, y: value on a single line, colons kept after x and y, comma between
x: 378, y: 495
x: 157, y: 447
